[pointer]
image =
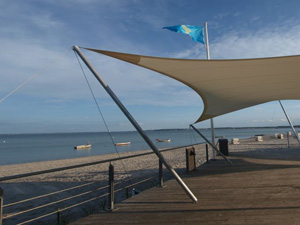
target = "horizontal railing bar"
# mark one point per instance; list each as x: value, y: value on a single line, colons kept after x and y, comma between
x: 106, y: 194
x: 80, y: 203
x: 85, y: 164
x: 41, y: 196
x: 12, y: 215
x: 51, y: 203
x: 37, y: 218
x: 49, y: 194
x: 142, y: 181
x: 182, y: 146
x: 121, y: 189
x: 69, y: 207
x: 72, y: 206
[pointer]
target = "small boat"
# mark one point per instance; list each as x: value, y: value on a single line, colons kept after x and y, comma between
x: 83, y: 146
x: 122, y: 143
x: 163, y: 140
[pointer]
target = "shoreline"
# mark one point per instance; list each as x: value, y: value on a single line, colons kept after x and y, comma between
x: 151, y: 130
x: 28, y: 167
x: 43, y: 148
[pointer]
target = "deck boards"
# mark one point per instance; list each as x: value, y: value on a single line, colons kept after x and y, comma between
x: 258, y: 189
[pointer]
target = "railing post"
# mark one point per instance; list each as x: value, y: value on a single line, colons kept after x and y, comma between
x: 111, y: 187
x: 58, y: 217
x: 160, y: 176
x: 1, y: 206
x: 127, y: 192
x: 288, y: 139
x: 206, y: 148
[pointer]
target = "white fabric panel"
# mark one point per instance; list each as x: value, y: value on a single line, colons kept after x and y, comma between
x: 227, y: 85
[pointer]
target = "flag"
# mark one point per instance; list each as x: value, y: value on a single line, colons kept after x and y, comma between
x: 195, y: 32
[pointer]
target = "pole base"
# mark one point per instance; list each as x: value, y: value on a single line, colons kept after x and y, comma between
x: 111, y: 210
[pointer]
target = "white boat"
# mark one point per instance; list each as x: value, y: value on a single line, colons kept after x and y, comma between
x: 163, y: 140
x: 83, y: 146
x: 122, y: 143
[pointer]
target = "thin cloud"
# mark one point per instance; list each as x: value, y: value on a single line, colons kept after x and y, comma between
x: 266, y: 42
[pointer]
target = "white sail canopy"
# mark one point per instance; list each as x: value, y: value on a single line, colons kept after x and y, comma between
x: 227, y: 85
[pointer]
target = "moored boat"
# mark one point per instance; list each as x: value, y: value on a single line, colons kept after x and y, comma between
x: 122, y: 143
x: 163, y: 140
x: 83, y: 146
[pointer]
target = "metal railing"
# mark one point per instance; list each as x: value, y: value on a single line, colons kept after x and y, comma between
x: 96, y: 192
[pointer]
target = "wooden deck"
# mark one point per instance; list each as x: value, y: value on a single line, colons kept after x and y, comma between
x: 261, y: 188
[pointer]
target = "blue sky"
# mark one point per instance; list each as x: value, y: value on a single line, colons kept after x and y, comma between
x: 34, y: 33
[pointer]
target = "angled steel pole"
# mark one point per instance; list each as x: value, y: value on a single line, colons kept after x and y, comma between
x: 290, y: 122
x: 135, y: 124
x: 213, y: 146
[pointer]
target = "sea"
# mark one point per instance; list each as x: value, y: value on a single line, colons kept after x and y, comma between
x: 27, y: 148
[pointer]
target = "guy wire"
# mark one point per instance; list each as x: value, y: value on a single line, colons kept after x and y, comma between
x: 100, y: 112
x: 33, y: 76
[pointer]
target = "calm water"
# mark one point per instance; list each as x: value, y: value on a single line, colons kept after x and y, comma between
x: 22, y: 148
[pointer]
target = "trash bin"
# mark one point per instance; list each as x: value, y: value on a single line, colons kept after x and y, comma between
x: 223, y: 143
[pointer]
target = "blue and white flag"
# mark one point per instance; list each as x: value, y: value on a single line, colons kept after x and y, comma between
x: 195, y: 32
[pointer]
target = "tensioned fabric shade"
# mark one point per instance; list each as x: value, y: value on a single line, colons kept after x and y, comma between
x: 227, y: 85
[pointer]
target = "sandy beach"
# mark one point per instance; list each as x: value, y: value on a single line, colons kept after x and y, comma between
x: 128, y: 170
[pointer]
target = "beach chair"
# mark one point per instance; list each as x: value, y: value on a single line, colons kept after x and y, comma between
x: 235, y: 141
x: 258, y: 138
x: 280, y: 136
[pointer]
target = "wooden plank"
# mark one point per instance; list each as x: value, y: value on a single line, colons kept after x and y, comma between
x: 255, y: 191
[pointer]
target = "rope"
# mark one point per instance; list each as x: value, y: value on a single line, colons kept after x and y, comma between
x: 100, y: 112
x: 34, y: 75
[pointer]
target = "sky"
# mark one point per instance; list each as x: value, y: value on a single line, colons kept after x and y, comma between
x: 37, y: 38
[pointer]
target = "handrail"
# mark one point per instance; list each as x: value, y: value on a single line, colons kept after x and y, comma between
x: 85, y: 164
x: 142, y: 181
x: 42, y: 196
x: 68, y: 198
x: 48, y: 204
x: 80, y: 203
x: 66, y: 208
x: 125, y: 187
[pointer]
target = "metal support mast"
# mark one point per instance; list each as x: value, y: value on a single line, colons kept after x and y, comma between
x: 211, y: 120
x: 213, y: 146
x: 135, y: 124
x: 290, y: 122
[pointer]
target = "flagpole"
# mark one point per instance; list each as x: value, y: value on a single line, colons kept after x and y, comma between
x: 211, y: 120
